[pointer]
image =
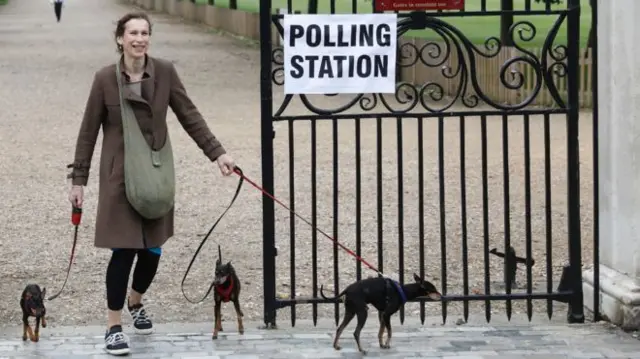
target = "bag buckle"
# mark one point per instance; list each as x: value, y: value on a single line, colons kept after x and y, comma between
x: 155, y: 158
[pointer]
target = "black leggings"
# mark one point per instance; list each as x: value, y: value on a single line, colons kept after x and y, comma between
x: 118, y: 274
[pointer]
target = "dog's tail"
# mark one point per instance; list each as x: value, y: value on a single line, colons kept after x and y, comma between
x: 327, y: 298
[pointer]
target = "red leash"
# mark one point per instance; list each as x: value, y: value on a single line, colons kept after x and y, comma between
x: 76, y: 216
x: 239, y: 173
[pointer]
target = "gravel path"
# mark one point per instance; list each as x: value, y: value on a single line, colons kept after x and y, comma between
x: 46, y: 70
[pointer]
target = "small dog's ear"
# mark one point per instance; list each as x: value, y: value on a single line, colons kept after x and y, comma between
x: 417, y: 278
x: 44, y: 292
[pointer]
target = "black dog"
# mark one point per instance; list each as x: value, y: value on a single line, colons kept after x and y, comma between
x: 32, y: 305
x: 227, y: 288
x: 386, y: 295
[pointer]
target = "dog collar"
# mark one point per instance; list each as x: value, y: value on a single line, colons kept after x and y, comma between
x: 400, y: 291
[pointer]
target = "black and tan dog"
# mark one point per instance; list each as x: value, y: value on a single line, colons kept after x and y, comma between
x: 227, y: 288
x: 32, y: 305
x: 386, y: 295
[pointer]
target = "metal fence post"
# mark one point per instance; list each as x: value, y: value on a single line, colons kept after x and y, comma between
x: 576, y: 307
x: 268, y: 216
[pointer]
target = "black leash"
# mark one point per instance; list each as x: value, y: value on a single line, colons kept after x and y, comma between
x: 240, y: 181
x: 76, y: 215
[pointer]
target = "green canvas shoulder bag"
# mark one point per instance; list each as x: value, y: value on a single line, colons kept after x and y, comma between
x: 149, y: 175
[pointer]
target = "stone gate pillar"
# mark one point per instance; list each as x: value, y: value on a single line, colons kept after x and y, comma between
x: 619, y: 160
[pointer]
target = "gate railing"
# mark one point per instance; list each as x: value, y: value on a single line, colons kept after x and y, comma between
x: 429, y: 183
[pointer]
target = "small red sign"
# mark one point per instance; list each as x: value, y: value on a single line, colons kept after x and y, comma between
x: 418, y: 5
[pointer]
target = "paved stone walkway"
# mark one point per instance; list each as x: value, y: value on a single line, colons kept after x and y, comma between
x: 501, y: 340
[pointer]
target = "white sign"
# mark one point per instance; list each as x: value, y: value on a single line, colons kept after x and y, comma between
x: 340, y: 53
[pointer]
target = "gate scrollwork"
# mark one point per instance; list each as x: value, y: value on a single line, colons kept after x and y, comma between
x: 458, y: 57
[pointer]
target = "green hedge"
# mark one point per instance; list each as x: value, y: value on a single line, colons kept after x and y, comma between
x: 476, y: 28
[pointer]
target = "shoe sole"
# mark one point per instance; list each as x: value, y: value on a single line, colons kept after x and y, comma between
x: 119, y: 352
x: 143, y: 331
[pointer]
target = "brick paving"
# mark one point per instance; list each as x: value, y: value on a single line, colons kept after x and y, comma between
x: 500, y: 340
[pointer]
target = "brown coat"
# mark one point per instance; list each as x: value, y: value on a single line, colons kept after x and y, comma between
x: 118, y: 225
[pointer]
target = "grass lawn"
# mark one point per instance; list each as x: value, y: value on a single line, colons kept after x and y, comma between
x: 3, y: 2
x: 476, y: 28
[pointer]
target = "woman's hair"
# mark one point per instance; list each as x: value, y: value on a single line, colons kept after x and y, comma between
x: 120, y: 25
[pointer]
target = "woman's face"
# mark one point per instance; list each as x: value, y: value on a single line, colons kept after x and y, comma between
x: 135, y: 40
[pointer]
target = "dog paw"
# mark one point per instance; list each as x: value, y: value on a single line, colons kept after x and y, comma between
x: 35, y: 338
x: 364, y: 352
x: 24, y: 337
x: 241, y: 330
x: 214, y: 337
x: 337, y: 347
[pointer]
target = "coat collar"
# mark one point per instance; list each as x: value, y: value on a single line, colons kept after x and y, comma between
x: 148, y: 82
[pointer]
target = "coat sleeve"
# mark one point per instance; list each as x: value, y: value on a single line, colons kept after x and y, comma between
x: 191, y: 119
x: 92, y: 119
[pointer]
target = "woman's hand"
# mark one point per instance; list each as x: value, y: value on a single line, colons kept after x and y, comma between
x: 76, y: 196
x: 226, y: 164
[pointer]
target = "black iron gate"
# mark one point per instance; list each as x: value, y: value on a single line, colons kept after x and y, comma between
x: 435, y: 235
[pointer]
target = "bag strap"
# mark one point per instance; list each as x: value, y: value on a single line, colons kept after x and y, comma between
x: 123, y: 103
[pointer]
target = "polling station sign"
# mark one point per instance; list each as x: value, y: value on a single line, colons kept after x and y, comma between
x: 340, y: 53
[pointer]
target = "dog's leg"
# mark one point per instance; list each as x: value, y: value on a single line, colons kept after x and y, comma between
x: 36, y: 334
x: 25, y: 326
x: 219, y: 322
x: 30, y: 332
x: 216, y: 318
x: 348, y: 315
x: 381, y: 330
x: 44, y: 322
x: 386, y: 317
x: 239, y: 315
x: 362, y: 318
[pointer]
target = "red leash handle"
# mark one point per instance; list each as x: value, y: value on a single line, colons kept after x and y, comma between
x: 352, y: 253
x: 76, y: 215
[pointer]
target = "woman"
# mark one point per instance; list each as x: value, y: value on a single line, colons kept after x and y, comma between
x: 152, y: 86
